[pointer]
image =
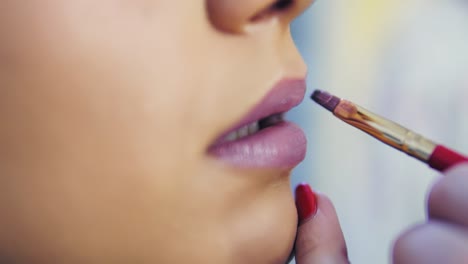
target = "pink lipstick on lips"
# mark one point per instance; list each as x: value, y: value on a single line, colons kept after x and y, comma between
x: 263, y: 139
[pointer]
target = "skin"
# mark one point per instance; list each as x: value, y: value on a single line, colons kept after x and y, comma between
x: 441, y: 239
x: 107, y: 112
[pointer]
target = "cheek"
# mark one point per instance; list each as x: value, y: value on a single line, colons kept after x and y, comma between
x: 117, y: 71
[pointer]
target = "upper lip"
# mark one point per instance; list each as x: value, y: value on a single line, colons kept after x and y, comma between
x: 284, y: 96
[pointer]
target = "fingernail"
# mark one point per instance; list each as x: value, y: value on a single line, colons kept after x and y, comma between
x: 306, y: 202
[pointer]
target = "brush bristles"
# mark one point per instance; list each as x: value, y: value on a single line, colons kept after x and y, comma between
x: 328, y: 101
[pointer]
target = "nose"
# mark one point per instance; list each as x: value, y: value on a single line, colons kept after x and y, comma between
x: 235, y: 16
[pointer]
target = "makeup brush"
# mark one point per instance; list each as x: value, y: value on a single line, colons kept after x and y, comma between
x: 436, y: 156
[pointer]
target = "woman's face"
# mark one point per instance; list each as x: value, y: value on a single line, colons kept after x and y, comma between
x: 113, y: 122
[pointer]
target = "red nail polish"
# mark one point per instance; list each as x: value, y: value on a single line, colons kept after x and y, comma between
x: 306, y: 202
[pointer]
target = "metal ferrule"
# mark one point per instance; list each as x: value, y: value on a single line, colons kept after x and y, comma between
x: 385, y: 130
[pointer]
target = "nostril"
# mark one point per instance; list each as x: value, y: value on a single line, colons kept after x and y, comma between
x: 272, y: 10
x: 282, y: 5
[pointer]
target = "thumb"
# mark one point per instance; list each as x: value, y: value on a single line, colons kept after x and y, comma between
x: 319, y: 238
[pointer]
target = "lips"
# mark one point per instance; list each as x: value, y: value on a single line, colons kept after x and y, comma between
x: 263, y: 139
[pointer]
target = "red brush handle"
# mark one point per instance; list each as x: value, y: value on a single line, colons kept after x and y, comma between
x: 443, y: 158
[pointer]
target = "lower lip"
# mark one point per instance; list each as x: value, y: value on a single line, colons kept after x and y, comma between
x: 279, y: 146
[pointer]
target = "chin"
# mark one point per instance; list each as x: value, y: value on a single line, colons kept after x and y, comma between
x: 269, y: 234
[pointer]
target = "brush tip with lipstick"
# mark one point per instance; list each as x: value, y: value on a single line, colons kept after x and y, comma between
x: 330, y: 102
x: 436, y: 156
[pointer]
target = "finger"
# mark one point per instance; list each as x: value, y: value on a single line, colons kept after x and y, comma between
x: 319, y: 238
x: 448, y: 199
x: 434, y: 242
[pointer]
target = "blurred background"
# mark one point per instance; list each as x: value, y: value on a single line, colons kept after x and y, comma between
x: 406, y: 60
